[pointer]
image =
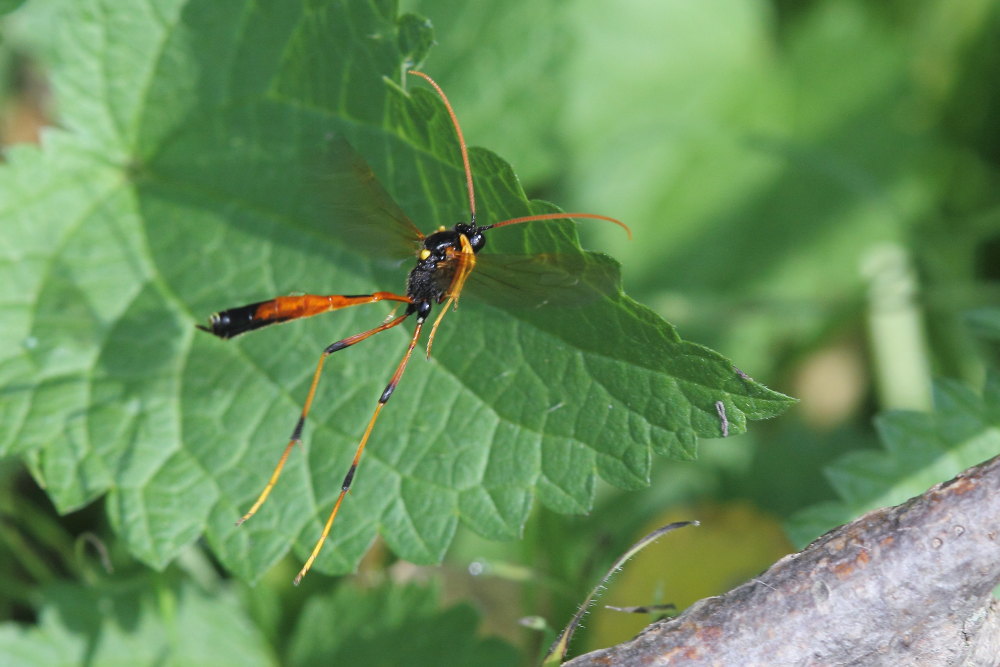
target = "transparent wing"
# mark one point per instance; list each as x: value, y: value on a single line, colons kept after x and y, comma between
x: 546, y: 279
x: 361, y: 212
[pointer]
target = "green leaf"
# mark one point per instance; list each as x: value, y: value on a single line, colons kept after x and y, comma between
x: 921, y: 449
x: 392, y: 625
x: 184, y: 183
x: 142, y: 621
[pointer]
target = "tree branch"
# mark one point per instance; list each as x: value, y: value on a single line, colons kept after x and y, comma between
x: 904, y: 585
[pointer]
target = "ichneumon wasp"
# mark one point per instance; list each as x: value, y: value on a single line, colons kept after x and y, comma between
x: 445, y: 261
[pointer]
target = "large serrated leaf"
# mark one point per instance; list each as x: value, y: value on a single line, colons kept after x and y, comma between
x: 184, y: 184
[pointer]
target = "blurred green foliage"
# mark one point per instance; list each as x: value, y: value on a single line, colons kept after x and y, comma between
x: 813, y: 188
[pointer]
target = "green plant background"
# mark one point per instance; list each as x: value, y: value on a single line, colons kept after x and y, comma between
x: 812, y: 190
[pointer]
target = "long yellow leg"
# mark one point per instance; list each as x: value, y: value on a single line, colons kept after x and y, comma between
x: 349, y: 477
x: 300, y: 424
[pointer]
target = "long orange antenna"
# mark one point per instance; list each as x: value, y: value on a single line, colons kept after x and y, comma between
x: 560, y: 216
x: 461, y: 139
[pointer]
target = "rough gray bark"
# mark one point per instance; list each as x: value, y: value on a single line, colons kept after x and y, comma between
x: 904, y: 585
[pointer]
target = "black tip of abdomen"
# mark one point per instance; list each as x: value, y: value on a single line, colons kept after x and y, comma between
x: 235, y: 321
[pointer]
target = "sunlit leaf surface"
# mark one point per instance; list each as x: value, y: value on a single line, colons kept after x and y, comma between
x: 184, y: 180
